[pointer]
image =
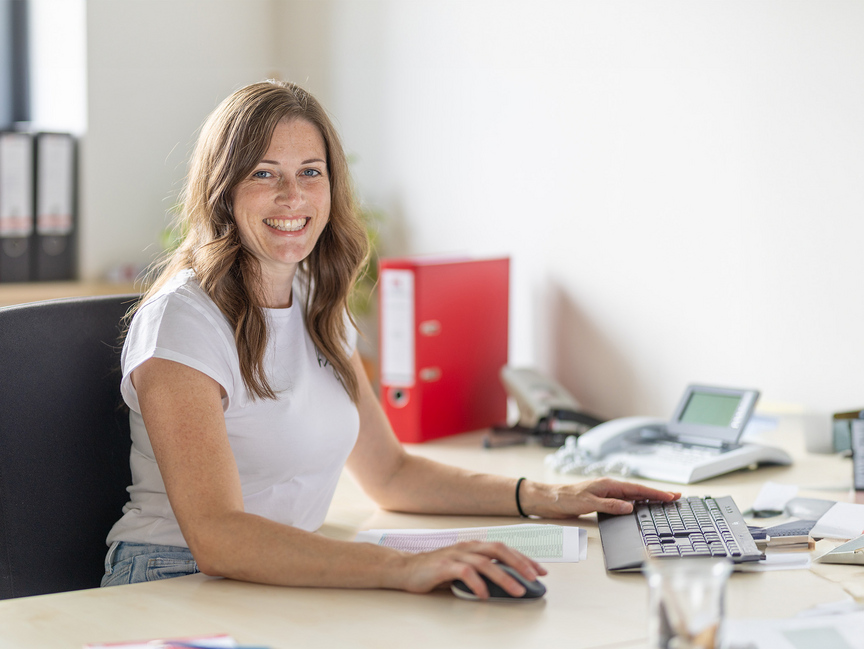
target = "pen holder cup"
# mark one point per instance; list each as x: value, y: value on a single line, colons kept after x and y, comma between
x: 686, y: 602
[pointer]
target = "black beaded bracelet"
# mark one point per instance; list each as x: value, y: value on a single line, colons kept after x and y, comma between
x: 518, y: 502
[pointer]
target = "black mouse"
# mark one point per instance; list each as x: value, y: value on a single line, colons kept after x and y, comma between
x: 533, y: 589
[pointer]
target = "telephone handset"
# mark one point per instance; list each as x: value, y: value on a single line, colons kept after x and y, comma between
x: 616, y: 434
x: 547, y: 411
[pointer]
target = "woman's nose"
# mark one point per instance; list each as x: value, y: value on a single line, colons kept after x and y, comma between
x: 289, y: 191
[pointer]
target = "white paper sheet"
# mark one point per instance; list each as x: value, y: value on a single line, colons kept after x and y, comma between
x: 842, y: 521
x: 820, y: 632
x: 774, y: 496
x: 546, y: 543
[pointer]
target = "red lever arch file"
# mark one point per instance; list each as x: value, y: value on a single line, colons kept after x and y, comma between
x: 443, y: 341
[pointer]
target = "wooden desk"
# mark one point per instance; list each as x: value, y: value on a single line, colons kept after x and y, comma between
x: 584, y: 606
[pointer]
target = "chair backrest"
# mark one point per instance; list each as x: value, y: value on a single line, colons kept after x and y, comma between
x: 64, y: 442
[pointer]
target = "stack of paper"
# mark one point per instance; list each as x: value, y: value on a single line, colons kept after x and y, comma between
x: 547, y: 543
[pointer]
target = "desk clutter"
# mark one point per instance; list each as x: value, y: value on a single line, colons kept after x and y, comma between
x: 812, y: 520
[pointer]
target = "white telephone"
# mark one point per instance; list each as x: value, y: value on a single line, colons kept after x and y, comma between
x: 699, y: 442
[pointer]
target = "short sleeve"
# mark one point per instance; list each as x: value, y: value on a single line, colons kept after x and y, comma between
x: 178, y: 328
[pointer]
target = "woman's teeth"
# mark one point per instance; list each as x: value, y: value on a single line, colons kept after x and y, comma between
x: 286, y: 225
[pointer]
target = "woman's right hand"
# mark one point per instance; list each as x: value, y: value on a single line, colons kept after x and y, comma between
x: 468, y: 560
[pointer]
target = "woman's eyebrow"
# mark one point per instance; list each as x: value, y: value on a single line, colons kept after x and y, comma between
x: 305, y: 162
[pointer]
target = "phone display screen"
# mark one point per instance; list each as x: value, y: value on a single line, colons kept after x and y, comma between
x: 710, y: 409
x: 712, y: 415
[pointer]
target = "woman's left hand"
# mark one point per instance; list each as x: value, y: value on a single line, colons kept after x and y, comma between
x: 597, y: 495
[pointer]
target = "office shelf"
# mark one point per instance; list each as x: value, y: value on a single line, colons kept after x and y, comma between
x: 35, y: 291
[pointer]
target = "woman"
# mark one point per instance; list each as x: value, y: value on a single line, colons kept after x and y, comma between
x: 247, y: 396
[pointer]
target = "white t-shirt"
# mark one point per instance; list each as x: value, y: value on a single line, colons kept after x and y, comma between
x: 289, y: 451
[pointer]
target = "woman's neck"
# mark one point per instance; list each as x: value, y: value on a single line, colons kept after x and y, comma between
x: 276, y: 292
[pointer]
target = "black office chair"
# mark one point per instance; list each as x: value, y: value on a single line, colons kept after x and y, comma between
x: 64, y: 442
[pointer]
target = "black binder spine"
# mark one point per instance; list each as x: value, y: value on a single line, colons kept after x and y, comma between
x: 55, y: 207
x: 16, y: 206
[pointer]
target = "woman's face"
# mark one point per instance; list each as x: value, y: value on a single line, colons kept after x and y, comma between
x: 281, y: 208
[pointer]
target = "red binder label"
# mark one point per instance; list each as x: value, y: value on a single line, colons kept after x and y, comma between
x: 397, y: 327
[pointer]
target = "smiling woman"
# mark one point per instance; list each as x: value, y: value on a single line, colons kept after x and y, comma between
x: 247, y: 396
x: 268, y: 151
x: 282, y: 207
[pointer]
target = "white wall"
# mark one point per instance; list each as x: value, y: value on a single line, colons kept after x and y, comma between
x: 679, y: 183
x: 58, y: 65
x: 156, y: 68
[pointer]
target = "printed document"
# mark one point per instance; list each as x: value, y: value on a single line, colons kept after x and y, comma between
x: 545, y: 543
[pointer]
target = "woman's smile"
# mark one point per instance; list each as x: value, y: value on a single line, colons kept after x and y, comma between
x: 287, y: 225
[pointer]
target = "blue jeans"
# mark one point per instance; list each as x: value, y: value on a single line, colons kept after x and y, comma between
x: 130, y: 563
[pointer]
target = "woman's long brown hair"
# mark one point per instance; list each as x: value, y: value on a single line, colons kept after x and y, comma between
x: 232, y: 142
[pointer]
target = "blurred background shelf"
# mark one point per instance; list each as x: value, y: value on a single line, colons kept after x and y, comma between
x: 36, y: 291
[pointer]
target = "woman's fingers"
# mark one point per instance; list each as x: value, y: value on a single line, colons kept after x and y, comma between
x: 469, y: 562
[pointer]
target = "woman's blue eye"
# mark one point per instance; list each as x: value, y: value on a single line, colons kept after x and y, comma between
x: 311, y: 172
x: 261, y: 174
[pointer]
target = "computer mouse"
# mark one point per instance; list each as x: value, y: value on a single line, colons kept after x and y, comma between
x: 533, y: 589
x: 808, y: 508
